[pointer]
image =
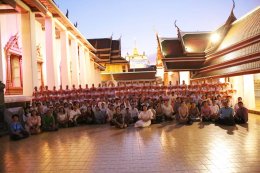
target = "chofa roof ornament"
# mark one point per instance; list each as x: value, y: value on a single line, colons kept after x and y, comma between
x: 178, y: 29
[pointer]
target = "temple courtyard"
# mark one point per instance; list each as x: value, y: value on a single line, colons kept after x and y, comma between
x: 167, y: 147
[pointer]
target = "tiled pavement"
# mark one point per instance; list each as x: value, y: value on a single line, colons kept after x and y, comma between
x: 160, y: 148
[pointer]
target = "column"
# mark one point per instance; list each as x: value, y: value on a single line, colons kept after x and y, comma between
x: 75, y: 62
x: 82, y: 66
x: 29, y: 60
x: 65, y: 60
x: 88, y: 68
x: 8, y: 73
x: 2, y: 56
x: 51, y: 63
x: 249, y: 91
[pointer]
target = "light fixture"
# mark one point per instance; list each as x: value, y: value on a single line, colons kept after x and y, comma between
x: 214, y: 37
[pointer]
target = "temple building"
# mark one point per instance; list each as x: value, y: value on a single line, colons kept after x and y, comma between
x: 137, y: 60
x: 109, y: 52
x: 132, y: 69
x: 40, y: 46
x: 231, y: 54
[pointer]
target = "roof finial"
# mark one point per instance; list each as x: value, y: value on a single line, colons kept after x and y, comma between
x: 178, y: 29
x: 76, y: 24
x: 176, y: 25
x: 234, y: 5
x: 67, y: 13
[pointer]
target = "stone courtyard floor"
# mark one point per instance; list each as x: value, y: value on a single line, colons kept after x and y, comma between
x: 167, y: 147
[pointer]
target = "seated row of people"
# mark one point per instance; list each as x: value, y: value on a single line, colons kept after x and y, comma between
x: 47, y: 116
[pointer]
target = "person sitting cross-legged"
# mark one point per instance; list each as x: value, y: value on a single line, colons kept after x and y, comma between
x: 241, y: 115
x: 34, y: 123
x: 145, y: 117
x: 159, y: 113
x: 74, y: 114
x: 99, y: 116
x: 226, y: 115
x: 17, y: 131
x: 214, y: 110
x: 62, y: 117
x: 194, y: 112
x: 89, y: 116
x: 49, y: 123
x: 127, y: 116
x: 206, y: 112
x: 134, y: 112
x: 184, y: 114
x: 118, y: 119
x: 168, y: 111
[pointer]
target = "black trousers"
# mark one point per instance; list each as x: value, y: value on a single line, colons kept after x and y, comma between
x: 225, y: 121
x: 239, y: 120
x: 15, y: 137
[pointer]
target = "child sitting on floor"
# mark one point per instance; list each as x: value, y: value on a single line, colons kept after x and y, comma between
x: 17, y: 131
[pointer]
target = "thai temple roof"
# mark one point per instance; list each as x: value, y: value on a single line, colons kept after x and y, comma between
x: 197, y: 51
x: 108, y: 50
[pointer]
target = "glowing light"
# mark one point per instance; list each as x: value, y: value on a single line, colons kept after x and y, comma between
x: 222, y: 80
x: 189, y: 49
x: 215, y: 38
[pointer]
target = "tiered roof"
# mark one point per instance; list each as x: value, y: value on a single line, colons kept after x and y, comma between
x: 108, y: 50
x: 236, y: 52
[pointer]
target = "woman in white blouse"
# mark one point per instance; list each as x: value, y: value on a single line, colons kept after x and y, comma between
x: 145, y: 117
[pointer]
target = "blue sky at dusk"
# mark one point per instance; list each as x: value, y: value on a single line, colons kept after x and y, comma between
x: 140, y: 19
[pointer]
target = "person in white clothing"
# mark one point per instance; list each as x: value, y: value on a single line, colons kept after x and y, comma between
x: 145, y: 117
x: 214, y: 110
x: 73, y: 116
x: 167, y: 110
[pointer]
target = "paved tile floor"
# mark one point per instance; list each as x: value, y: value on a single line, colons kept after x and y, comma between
x: 160, y: 148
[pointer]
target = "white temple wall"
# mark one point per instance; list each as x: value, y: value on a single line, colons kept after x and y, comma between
x: 244, y: 85
x: 40, y: 41
x: 88, y: 68
x: 29, y: 61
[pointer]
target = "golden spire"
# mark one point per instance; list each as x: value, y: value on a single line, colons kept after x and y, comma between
x: 135, y: 51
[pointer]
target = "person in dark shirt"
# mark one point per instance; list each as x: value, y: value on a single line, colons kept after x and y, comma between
x: 89, y: 117
x: 241, y: 115
x: 17, y: 131
x: 118, y: 119
x: 49, y: 122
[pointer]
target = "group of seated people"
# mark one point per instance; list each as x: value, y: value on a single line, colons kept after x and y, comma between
x: 120, y: 112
